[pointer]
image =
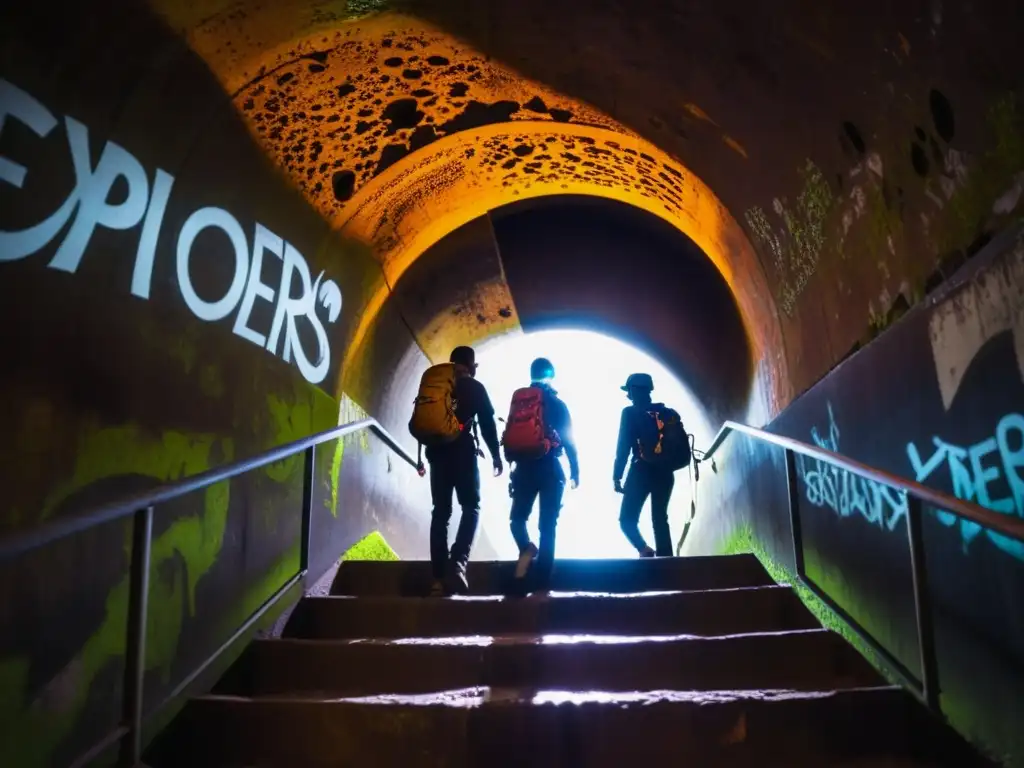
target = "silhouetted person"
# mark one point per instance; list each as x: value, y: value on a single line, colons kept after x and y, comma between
x: 659, y: 445
x: 538, y: 431
x: 450, y: 401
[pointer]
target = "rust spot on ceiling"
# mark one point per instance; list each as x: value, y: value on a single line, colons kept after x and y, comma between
x: 339, y: 116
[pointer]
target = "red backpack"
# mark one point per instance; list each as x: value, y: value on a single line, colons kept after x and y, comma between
x: 527, y: 435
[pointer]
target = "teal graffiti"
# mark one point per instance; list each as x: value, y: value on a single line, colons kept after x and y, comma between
x: 845, y: 493
x: 977, y: 472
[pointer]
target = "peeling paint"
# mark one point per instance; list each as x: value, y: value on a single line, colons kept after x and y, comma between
x: 874, y: 163
x: 699, y: 113
x: 735, y: 146
x: 1007, y: 201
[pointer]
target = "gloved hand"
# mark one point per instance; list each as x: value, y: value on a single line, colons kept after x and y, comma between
x: 421, y: 470
x: 618, y: 486
x: 574, y: 483
x: 498, y: 467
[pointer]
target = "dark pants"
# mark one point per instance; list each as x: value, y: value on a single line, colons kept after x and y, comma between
x: 457, y: 472
x: 641, y: 482
x: 544, y: 479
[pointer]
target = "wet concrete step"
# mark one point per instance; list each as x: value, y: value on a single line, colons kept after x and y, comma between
x: 412, y: 577
x: 867, y: 728
x: 717, y: 612
x: 801, y: 660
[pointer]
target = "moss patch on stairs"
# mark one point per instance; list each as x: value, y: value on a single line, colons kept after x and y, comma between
x: 370, y: 547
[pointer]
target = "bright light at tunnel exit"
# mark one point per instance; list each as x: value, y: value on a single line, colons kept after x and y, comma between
x: 590, y: 368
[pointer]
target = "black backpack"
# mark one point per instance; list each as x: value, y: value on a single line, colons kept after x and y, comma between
x: 661, y: 438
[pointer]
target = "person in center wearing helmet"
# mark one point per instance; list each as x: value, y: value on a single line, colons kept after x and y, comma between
x: 644, y: 479
x: 539, y: 431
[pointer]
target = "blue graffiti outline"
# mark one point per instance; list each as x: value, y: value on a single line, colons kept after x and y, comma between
x: 970, y: 479
x: 846, y: 493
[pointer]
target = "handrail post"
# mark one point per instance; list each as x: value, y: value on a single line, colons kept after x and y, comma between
x: 306, y: 530
x: 922, y: 604
x: 793, y: 490
x: 135, y: 648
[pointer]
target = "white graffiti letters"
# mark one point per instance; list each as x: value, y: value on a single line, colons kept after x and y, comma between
x: 845, y: 493
x: 976, y: 473
x: 206, y: 218
x: 92, y: 187
x: 87, y: 207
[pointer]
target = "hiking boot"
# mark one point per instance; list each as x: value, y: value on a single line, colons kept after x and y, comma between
x: 437, y: 588
x: 458, y: 584
x: 526, y: 558
x: 647, y: 552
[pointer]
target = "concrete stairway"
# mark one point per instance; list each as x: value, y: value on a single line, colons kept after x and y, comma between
x: 721, y: 667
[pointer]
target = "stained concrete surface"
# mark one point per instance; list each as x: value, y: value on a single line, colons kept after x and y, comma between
x: 776, y: 696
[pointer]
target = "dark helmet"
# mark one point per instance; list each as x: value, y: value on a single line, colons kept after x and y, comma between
x: 463, y: 356
x: 638, y: 380
x: 541, y: 369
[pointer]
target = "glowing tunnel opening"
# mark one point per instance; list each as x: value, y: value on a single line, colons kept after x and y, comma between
x: 590, y: 368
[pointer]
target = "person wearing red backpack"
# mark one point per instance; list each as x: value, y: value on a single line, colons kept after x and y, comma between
x: 450, y: 400
x: 538, y: 432
x: 659, y: 444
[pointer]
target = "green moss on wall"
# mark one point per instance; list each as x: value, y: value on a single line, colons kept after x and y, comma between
x: 744, y: 541
x: 258, y: 593
x: 355, y: 9
x: 971, y: 206
x: 32, y: 730
x: 797, y: 248
x: 994, y: 731
x: 348, y: 411
x: 859, y: 605
x: 211, y: 382
x: 182, y: 554
x: 106, y: 452
x: 883, y: 227
x: 193, y: 541
x: 306, y: 412
x: 371, y: 547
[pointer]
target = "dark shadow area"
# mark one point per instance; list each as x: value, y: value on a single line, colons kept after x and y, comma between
x: 574, y: 261
x: 104, y: 391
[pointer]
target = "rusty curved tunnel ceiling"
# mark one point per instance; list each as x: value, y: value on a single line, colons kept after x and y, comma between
x: 859, y: 145
x: 399, y: 134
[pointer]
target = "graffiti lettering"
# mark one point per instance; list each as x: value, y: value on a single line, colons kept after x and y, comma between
x: 976, y: 472
x: 845, y: 493
x: 87, y: 207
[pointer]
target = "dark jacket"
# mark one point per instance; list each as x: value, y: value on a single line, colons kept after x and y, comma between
x: 556, y: 414
x: 629, y: 434
x: 472, y: 405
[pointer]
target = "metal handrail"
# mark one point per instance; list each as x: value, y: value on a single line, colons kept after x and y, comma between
x: 141, y: 505
x: 21, y: 542
x: 1008, y: 526
x: 925, y: 685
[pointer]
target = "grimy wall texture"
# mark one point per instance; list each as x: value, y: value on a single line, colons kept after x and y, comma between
x: 212, y: 218
x: 170, y: 303
x: 938, y: 399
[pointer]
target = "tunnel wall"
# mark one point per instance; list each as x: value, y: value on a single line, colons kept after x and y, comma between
x: 938, y: 399
x: 116, y: 378
x: 866, y: 148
